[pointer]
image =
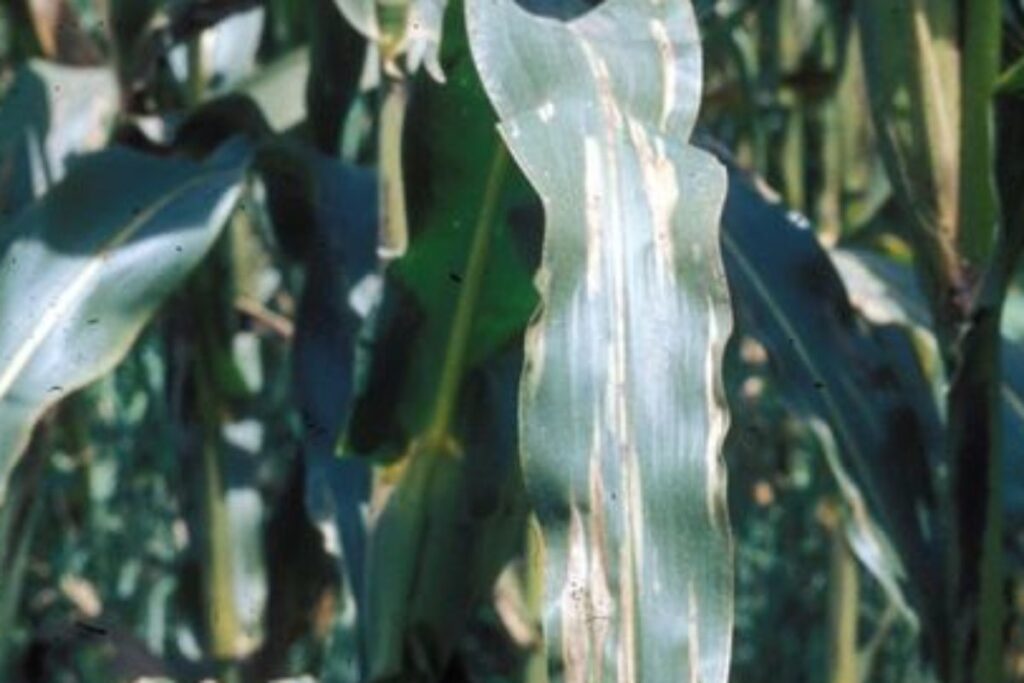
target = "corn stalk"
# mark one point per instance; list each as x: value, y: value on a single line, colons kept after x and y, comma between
x: 932, y: 69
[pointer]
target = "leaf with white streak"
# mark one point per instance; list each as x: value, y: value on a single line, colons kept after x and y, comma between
x: 621, y: 406
x: 74, y: 293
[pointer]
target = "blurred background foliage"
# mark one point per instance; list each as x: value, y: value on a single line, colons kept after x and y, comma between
x: 128, y: 550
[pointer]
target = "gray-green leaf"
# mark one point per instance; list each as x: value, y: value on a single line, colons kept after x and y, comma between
x: 90, y: 264
x: 621, y: 401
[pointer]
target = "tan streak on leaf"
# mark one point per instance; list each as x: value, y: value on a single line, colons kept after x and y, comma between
x: 602, y: 603
x: 662, y: 191
x: 667, y: 64
x: 575, y: 635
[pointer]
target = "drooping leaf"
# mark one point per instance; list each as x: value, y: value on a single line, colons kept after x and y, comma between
x: 621, y: 401
x: 49, y: 113
x: 90, y: 263
x: 324, y: 216
x: 831, y: 364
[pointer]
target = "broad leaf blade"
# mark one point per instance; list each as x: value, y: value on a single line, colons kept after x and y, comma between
x: 88, y: 266
x: 788, y: 295
x: 621, y: 405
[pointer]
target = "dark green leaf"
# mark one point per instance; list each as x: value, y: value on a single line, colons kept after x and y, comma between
x: 453, y: 518
x: 831, y: 364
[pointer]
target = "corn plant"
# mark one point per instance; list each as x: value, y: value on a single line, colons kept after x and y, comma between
x: 410, y: 340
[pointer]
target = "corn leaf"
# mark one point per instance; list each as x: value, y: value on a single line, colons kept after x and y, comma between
x: 917, y: 117
x: 621, y: 402
x: 455, y: 515
x: 888, y: 294
x: 325, y: 217
x: 49, y: 113
x: 75, y: 293
x: 832, y: 365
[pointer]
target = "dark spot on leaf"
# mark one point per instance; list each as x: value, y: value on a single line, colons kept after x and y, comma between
x: 819, y: 384
x: 314, y: 428
x: 92, y: 321
x: 177, y: 248
x: 56, y: 388
x: 455, y: 277
x: 91, y: 629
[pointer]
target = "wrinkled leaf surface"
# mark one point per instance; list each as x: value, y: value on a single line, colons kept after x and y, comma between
x: 621, y: 407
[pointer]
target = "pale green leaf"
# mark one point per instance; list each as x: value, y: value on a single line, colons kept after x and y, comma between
x: 90, y: 264
x: 621, y: 403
